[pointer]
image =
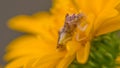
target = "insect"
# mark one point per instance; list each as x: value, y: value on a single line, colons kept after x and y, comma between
x: 66, y: 33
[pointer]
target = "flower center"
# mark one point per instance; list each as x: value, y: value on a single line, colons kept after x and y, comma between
x: 74, y: 26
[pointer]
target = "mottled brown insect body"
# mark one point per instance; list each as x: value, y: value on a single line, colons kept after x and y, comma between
x: 67, y: 31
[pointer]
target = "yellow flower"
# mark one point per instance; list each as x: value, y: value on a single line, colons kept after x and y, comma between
x: 38, y: 48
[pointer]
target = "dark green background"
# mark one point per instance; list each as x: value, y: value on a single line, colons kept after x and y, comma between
x: 11, y: 8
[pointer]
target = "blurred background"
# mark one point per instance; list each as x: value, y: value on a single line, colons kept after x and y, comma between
x: 11, y: 8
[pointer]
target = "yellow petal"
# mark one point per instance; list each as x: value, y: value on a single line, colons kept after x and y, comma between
x: 83, y: 53
x: 29, y: 45
x: 40, y: 23
x: 107, y: 12
x: 96, y: 6
x: 89, y: 6
x: 111, y: 3
x: 66, y: 61
x: 72, y: 47
x: 19, y: 62
x: 48, y: 61
x: 32, y: 24
x: 102, y: 9
x: 110, y: 25
x: 105, y: 15
x: 68, y: 5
